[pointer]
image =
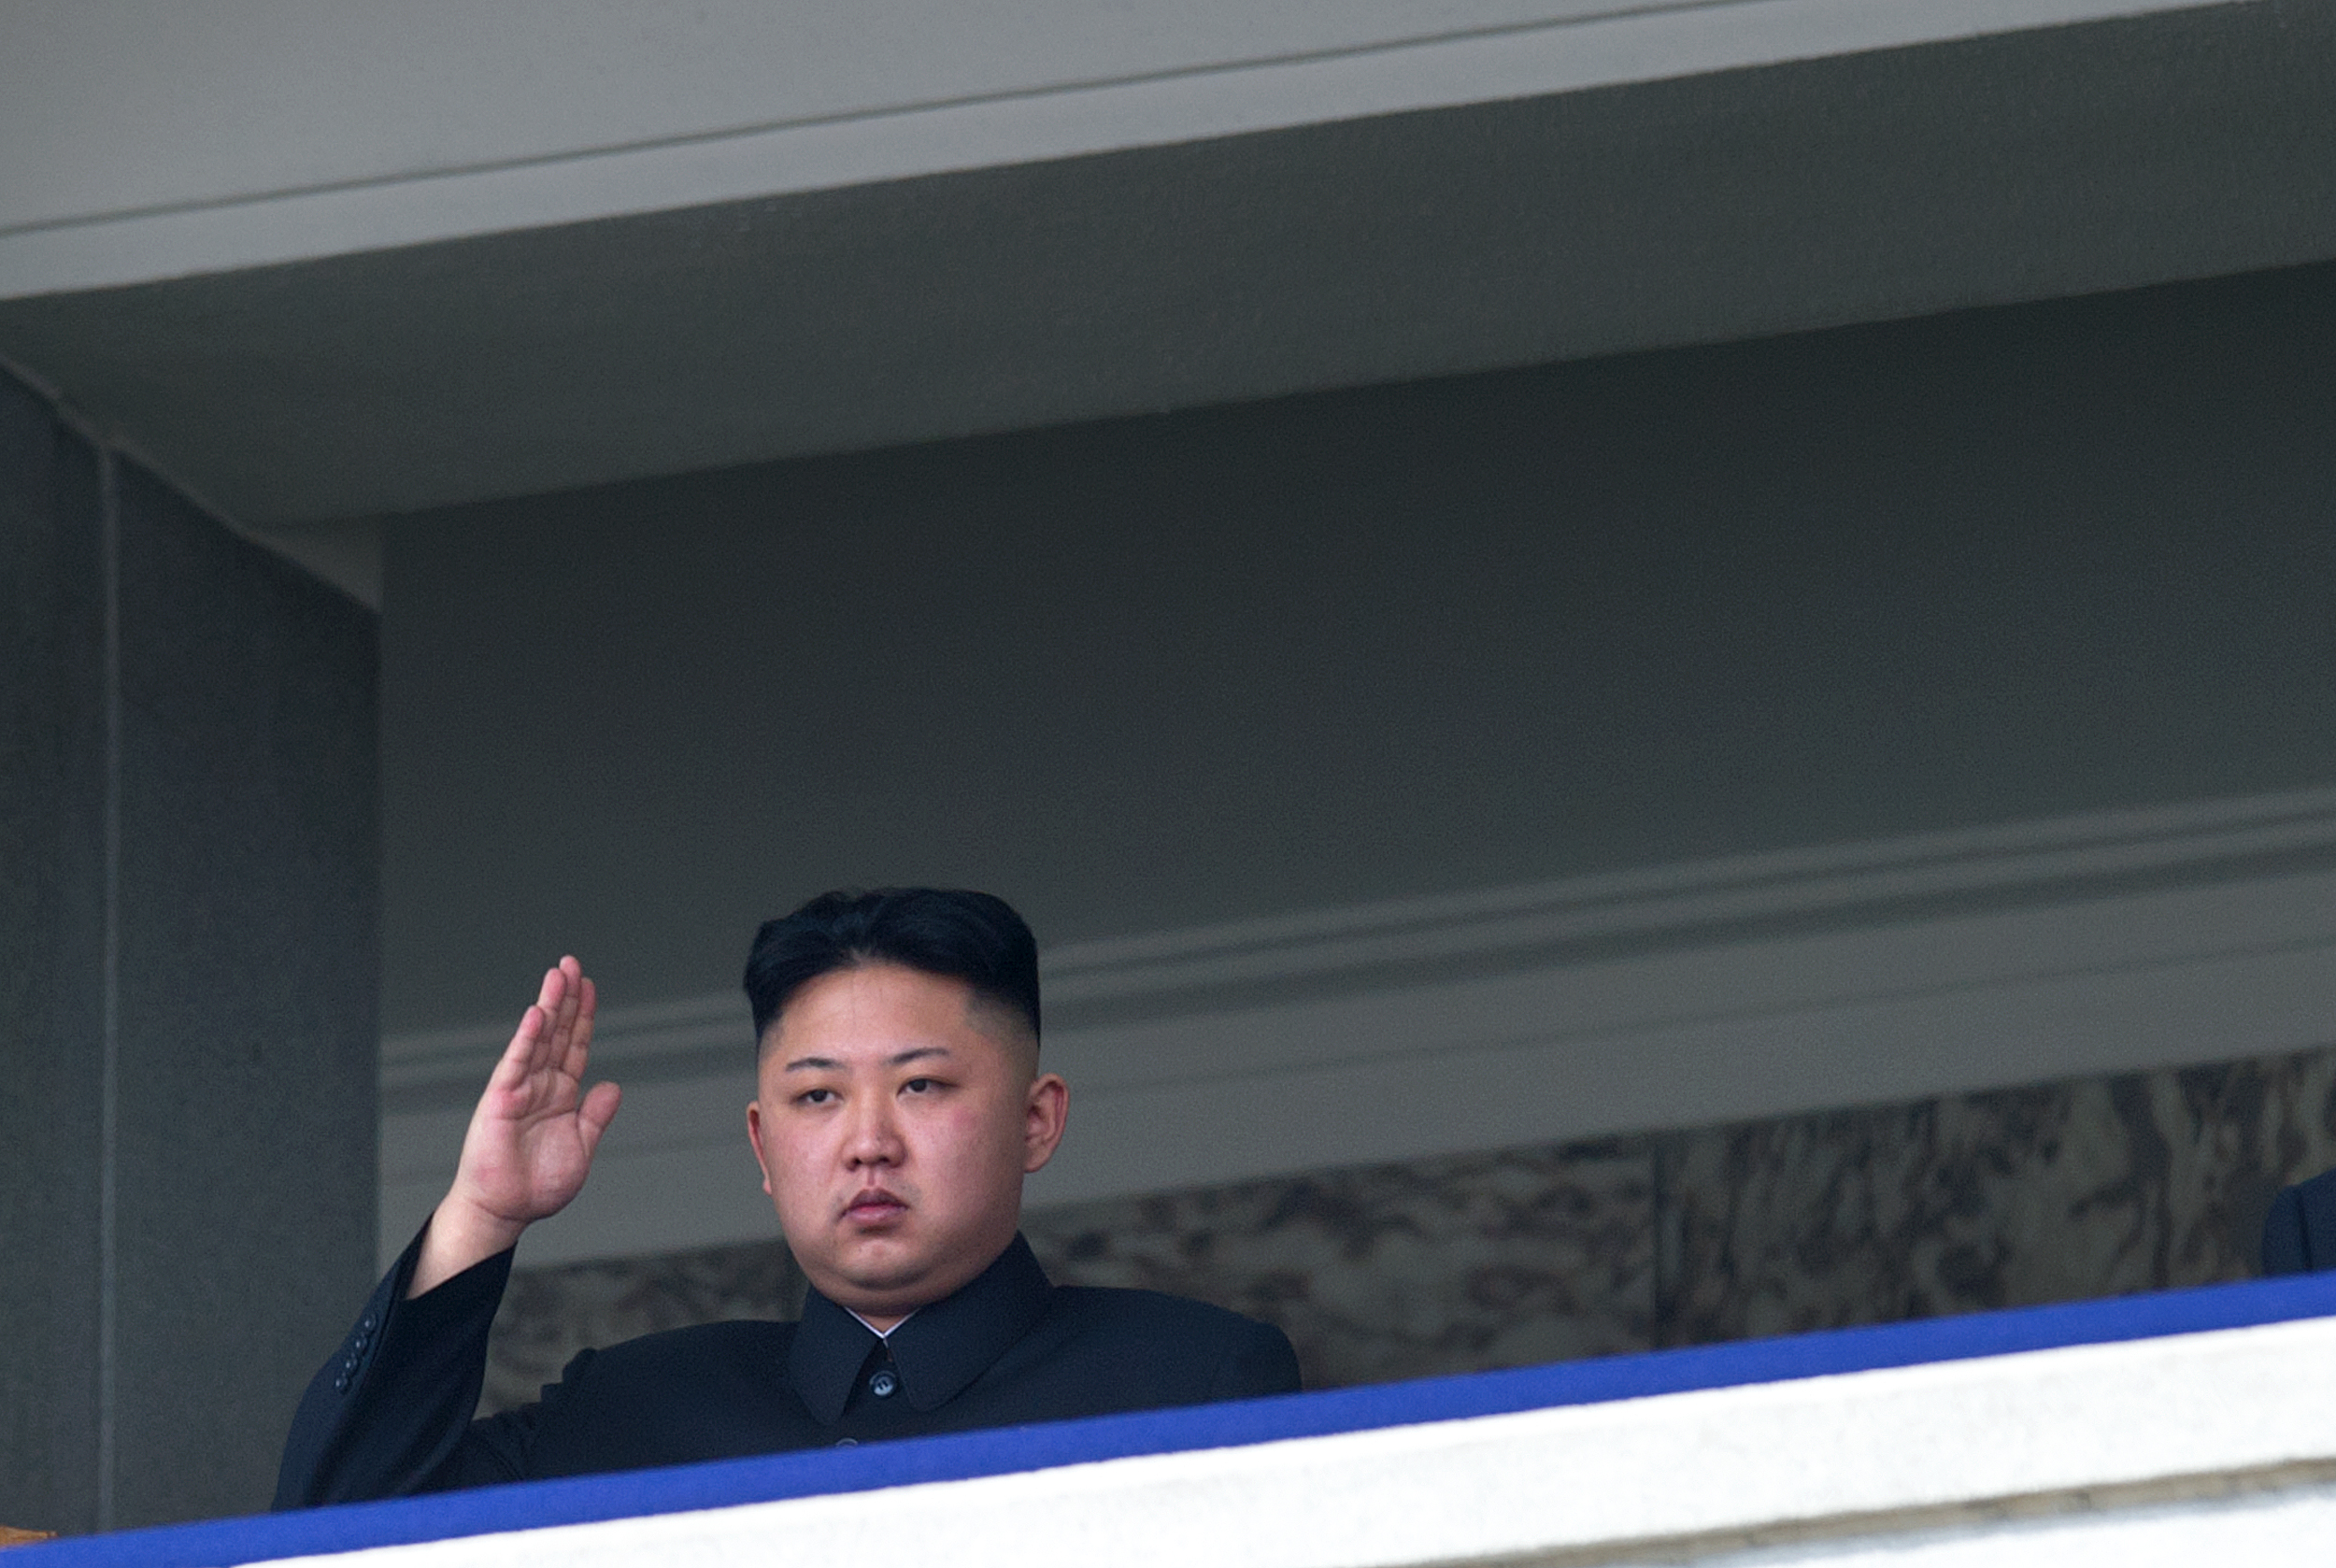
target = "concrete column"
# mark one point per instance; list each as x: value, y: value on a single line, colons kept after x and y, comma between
x: 189, y: 874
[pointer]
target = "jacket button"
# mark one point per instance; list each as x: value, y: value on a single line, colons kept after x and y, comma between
x: 848, y: 1442
x: 367, y: 1324
x: 883, y: 1383
x: 340, y: 1384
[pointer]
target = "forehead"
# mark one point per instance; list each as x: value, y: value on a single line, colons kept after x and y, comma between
x: 874, y: 1010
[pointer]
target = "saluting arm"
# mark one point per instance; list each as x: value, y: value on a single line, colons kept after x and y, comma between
x: 390, y: 1412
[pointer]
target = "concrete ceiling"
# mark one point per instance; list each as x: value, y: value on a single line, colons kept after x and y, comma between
x: 1727, y: 203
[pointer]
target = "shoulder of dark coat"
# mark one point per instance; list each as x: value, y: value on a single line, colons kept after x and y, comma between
x: 709, y: 1347
x: 1155, y: 1311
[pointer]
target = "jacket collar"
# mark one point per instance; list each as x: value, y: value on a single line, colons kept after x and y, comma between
x: 940, y: 1349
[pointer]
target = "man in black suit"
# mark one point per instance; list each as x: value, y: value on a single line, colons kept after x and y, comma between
x: 899, y: 1107
x: 2299, y: 1233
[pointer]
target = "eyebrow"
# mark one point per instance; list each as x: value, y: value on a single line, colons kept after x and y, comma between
x: 829, y: 1064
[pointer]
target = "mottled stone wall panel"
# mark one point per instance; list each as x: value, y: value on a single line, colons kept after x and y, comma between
x: 1872, y: 1214
x: 1402, y: 1269
x: 2052, y: 1192
x: 2055, y: 1192
x: 2238, y: 1133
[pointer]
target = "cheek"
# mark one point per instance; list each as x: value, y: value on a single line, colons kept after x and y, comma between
x: 974, y: 1135
x: 788, y: 1151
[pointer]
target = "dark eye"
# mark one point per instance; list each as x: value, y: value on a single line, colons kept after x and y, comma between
x: 815, y: 1096
x: 918, y: 1086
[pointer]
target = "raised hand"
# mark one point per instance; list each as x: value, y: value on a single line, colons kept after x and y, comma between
x: 531, y: 1138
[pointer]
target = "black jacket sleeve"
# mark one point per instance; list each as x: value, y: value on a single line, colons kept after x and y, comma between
x: 390, y: 1413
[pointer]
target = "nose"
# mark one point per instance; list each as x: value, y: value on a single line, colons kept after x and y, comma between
x: 874, y: 1137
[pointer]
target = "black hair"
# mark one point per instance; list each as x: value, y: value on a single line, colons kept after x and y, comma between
x: 950, y: 932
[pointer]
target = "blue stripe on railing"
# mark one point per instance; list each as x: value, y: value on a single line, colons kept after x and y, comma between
x: 216, y: 1544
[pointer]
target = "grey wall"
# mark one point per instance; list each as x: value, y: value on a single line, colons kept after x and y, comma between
x: 1431, y: 637
x: 52, y: 1011
x: 189, y: 831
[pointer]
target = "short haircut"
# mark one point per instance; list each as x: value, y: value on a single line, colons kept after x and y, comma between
x: 950, y: 932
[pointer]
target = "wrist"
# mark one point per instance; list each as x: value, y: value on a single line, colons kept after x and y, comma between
x: 461, y: 1235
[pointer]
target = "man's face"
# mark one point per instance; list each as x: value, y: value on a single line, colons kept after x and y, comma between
x: 894, y: 1119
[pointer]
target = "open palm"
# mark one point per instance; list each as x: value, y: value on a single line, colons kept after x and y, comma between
x: 531, y: 1138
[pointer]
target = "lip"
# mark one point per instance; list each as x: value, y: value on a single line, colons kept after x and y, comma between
x: 873, y: 1206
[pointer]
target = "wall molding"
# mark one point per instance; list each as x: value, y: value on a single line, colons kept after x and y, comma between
x: 1751, y: 985
x: 2057, y: 859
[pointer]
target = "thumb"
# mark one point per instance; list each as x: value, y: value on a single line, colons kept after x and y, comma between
x: 594, y: 1115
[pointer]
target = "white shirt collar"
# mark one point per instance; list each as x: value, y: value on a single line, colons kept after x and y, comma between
x: 884, y: 1333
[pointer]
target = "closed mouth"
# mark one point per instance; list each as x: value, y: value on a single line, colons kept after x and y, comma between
x: 873, y: 1204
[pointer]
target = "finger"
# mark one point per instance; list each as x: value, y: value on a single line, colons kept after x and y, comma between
x: 580, y: 1039
x: 594, y: 1117
x: 547, y: 994
x: 518, y: 1059
x: 549, y: 998
x: 571, y: 998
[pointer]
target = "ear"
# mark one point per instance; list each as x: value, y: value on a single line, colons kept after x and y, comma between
x: 754, y: 1140
x: 1044, y: 1113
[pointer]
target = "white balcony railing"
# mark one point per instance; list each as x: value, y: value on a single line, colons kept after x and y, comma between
x: 2177, y: 1426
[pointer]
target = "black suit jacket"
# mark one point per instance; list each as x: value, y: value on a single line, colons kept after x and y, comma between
x: 390, y: 1413
x: 2299, y: 1233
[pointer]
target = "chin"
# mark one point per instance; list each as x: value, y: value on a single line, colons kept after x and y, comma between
x: 882, y: 1271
